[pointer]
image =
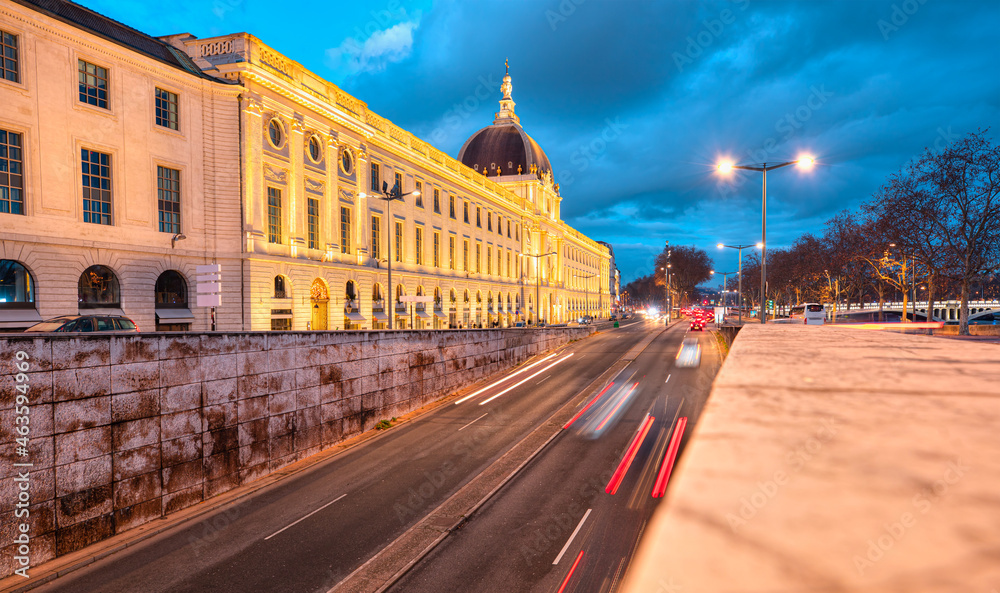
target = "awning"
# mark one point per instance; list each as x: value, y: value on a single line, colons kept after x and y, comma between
x: 174, y: 315
x: 423, y: 315
x: 355, y: 316
x: 18, y: 318
x: 440, y: 314
x: 380, y: 316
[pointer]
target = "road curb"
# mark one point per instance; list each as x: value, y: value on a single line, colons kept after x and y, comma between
x: 384, y: 569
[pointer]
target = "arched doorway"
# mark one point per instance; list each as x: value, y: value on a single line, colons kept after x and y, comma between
x: 352, y: 313
x: 453, y: 310
x: 17, y: 296
x: 319, y: 297
x: 379, y: 316
x: 172, y: 312
x: 400, y: 319
x: 98, y: 289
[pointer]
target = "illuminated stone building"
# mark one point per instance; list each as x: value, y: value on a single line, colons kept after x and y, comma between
x: 317, y: 235
x: 119, y: 166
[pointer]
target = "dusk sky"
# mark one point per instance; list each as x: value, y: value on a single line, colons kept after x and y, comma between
x: 634, y: 102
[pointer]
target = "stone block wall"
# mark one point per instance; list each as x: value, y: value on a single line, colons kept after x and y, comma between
x: 127, y: 429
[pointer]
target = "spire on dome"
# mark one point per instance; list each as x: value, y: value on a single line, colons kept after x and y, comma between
x: 506, y: 112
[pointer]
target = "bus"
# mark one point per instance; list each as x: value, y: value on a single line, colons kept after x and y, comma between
x: 809, y: 313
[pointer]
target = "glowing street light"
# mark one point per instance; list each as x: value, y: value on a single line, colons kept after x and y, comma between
x: 724, y: 167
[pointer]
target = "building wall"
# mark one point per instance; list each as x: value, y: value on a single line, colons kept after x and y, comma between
x: 51, y: 238
x: 127, y: 429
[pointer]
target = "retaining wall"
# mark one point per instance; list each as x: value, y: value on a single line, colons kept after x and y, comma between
x: 125, y: 429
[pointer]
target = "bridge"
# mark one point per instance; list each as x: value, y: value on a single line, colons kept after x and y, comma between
x: 947, y: 311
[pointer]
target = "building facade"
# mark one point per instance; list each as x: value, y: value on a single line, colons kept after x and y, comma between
x: 481, y: 243
x: 119, y: 166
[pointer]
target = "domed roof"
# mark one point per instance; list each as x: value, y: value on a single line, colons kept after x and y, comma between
x: 504, y: 148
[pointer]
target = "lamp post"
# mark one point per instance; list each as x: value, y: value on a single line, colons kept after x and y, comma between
x: 725, y: 284
x: 538, y: 304
x: 739, y: 249
x: 726, y: 167
x: 390, y: 195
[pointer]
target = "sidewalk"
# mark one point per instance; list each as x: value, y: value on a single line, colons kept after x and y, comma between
x: 836, y: 459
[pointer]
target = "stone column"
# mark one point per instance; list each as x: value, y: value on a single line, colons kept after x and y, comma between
x: 254, y: 198
x: 331, y: 209
x: 297, y: 211
x: 361, y: 238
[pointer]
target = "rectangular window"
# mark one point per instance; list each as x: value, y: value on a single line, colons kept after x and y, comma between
x: 418, y: 187
x: 508, y: 228
x: 509, y: 274
x: 517, y: 233
x: 451, y: 252
x: 376, y: 237
x: 93, y: 84
x: 166, y: 109
x: 437, y: 201
x: 168, y: 194
x: 345, y: 230
x: 489, y: 260
x: 312, y: 206
x: 399, y: 242
x: 479, y: 217
x: 479, y: 257
x: 11, y: 173
x: 489, y: 221
x: 273, y: 215
x: 499, y: 261
x: 437, y: 249
x: 96, y: 169
x: 451, y: 205
x: 10, y: 68
x: 465, y: 206
x: 376, y: 181
x: 465, y: 256
x: 418, y: 245
x: 399, y: 182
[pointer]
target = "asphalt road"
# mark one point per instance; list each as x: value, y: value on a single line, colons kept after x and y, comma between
x: 309, y: 531
x: 557, y: 508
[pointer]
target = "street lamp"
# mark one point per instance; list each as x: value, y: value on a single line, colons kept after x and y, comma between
x: 739, y: 249
x: 538, y: 305
x: 805, y: 162
x: 725, y: 284
x: 390, y: 195
x: 586, y: 291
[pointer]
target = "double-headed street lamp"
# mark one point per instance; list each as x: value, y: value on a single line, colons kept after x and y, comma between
x: 538, y: 305
x: 725, y: 284
x: 390, y: 195
x: 726, y: 167
x: 739, y: 249
x: 586, y: 291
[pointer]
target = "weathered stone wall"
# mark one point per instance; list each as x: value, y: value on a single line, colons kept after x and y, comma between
x: 126, y: 429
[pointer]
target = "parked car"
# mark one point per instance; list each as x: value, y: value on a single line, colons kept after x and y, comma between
x: 808, y: 313
x: 86, y: 323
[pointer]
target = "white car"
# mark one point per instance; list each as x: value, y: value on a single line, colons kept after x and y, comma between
x: 689, y: 356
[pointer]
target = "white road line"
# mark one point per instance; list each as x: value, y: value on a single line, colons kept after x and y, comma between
x: 306, y: 517
x: 544, y: 380
x: 495, y: 383
x: 523, y: 381
x: 469, y: 424
x: 668, y: 379
x: 570, y: 540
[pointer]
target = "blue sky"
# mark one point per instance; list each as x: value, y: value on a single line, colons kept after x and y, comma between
x: 634, y: 101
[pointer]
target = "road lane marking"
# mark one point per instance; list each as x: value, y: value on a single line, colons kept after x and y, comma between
x: 668, y: 379
x: 471, y: 423
x: 495, y: 383
x: 306, y: 517
x: 570, y: 575
x: 544, y: 380
x: 570, y: 540
x: 523, y: 381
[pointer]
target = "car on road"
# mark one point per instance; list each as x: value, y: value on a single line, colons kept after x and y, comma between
x: 697, y: 325
x: 689, y: 356
x: 585, y: 319
x: 86, y: 323
x: 808, y: 313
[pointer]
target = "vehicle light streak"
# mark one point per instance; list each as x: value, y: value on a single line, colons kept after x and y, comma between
x: 660, y: 486
x: 523, y: 381
x: 580, y: 413
x: 619, y: 475
x: 495, y: 383
x: 895, y: 325
x: 565, y: 582
x: 621, y: 401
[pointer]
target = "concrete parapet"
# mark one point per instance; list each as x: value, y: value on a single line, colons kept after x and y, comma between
x: 125, y: 429
x: 836, y: 459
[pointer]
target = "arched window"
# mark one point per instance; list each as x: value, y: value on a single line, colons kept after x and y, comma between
x: 17, y: 288
x: 467, y: 296
x: 399, y: 292
x: 280, y: 291
x: 377, y: 292
x: 171, y: 291
x: 479, y: 297
x: 318, y: 292
x: 99, y: 288
x: 350, y: 292
x: 453, y: 296
x: 437, y: 296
